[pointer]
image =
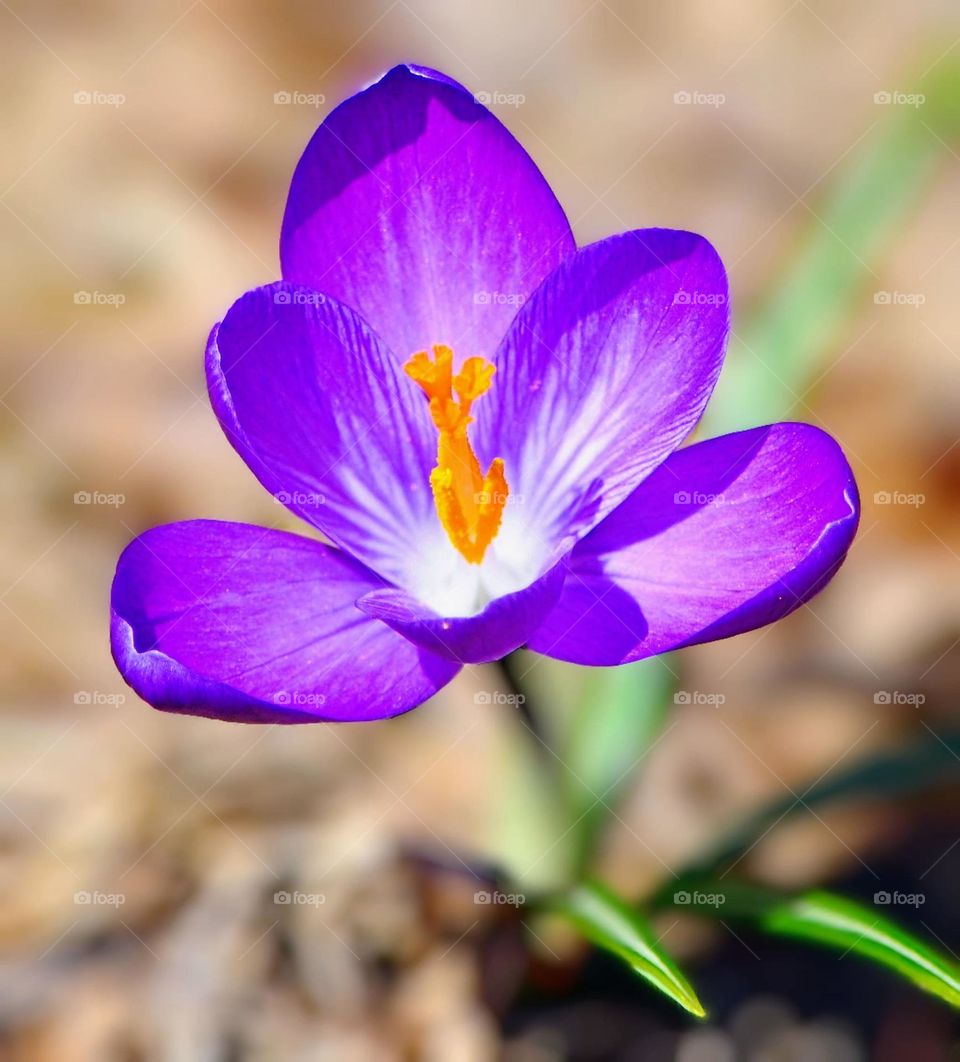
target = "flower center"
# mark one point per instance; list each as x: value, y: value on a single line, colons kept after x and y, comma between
x: 469, y: 503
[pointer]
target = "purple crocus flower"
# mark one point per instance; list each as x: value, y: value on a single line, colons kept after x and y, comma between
x: 485, y: 421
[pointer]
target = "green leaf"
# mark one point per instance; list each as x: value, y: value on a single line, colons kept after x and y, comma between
x: 775, y: 352
x: 846, y: 925
x: 621, y: 714
x: 607, y: 921
x: 891, y: 773
x: 601, y: 722
x: 528, y: 834
x: 838, y: 923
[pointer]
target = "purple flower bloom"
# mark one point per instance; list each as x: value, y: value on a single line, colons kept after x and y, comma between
x: 485, y: 421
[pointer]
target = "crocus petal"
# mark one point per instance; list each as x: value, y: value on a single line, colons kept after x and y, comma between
x: 259, y: 626
x: 504, y: 625
x: 602, y: 375
x: 321, y: 413
x: 726, y: 536
x: 415, y: 206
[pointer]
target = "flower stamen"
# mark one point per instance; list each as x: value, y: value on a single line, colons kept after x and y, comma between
x: 469, y: 503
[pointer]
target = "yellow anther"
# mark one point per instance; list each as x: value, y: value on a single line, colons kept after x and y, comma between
x: 470, y: 504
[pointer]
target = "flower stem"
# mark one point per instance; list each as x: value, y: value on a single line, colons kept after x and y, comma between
x: 509, y: 667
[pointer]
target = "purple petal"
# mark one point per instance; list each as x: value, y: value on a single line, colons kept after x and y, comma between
x: 259, y: 626
x: 415, y: 206
x: 320, y: 412
x: 504, y: 625
x: 603, y: 374
x: 726, y: 536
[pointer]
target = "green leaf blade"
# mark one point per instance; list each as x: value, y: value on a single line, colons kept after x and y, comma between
x: 837, y: 922
x: 777, y: 350
x: 622, y: 713
x: 609, y: 923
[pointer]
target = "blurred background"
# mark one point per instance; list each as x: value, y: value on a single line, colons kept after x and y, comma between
x: 147, y: 153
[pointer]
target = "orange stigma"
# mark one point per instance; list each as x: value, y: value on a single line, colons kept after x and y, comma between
x: 470, y: 504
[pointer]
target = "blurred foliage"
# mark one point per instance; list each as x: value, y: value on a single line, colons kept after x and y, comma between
x: 803, y: 317
x: 621, y: 714
x: 605, y: 735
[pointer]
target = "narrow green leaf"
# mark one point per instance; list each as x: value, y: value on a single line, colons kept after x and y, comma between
x: 835, y: 922
x: 528, y: 834
x: 775, y: 352
x: 896, y: 772
x: 607, y: 921
x: 601, y: 722
x: 622, y: 711
x: 849, y: 926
